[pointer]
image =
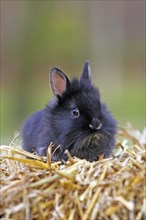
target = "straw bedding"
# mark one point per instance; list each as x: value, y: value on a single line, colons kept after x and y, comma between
x: 37, y: 188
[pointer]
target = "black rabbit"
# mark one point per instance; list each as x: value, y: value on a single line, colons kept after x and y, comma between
x: 75, y: 120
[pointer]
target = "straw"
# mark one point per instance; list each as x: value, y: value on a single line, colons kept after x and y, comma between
x: 33, y: 187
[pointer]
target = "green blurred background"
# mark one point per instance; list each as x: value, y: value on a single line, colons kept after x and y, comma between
x: 36, y: 35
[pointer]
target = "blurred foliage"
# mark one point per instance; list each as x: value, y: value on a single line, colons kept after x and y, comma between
x: 36, y: 35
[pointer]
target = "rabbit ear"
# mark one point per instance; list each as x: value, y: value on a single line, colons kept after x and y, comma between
x: 86, y: 72
x: 58, y: 81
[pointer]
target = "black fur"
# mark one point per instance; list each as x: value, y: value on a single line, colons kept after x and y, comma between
x: 75, y: 119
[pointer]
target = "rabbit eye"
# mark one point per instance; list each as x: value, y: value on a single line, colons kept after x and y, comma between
x: 75, y: 112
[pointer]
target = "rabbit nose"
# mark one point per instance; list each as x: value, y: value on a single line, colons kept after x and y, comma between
x: 95, y: 124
